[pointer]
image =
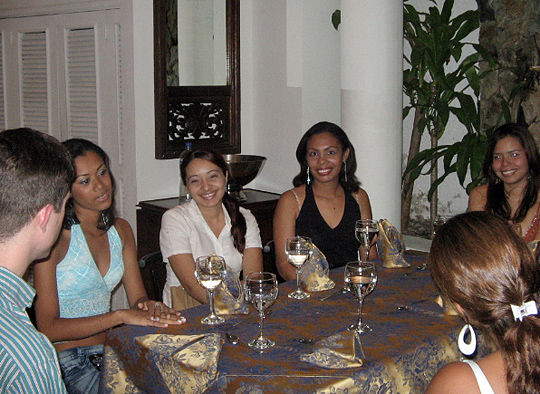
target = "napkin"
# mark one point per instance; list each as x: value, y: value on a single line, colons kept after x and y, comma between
x: 391, y: 246
x: 314, y: 275
x: 229, y: 299
x: 447, y: 306
x: 341, y: 350
x: 187, y: 363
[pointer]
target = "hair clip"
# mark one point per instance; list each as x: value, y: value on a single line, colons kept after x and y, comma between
x: 526, y: 309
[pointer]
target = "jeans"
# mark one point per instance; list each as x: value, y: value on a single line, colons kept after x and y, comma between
x: 80, y: 374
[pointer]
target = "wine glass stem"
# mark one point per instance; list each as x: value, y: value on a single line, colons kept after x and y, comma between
x: 211, y: 300
x: 360, y: 304
x: 297, y: 280
x: 261, y: 322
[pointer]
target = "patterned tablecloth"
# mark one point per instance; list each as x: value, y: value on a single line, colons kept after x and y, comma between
x: 402, y: 353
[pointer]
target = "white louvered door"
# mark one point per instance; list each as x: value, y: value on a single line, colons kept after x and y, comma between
x: 61, y: 75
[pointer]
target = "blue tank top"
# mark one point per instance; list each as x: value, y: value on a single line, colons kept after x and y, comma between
x: 338, y: 244
x: 82, y: 290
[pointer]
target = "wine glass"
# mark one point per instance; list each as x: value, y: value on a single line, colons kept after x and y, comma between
x: 261, y: 290
x: 365, y: 231
x: 298, y: 251
x: 209, y: 271
x: 360, y: 278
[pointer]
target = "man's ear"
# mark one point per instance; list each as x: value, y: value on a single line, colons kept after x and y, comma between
x: 44, y: 216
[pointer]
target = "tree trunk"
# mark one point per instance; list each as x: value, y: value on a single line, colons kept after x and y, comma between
x: 414, y: 148
x: 433, y: 177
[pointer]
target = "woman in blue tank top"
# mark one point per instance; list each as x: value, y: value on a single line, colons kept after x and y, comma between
x: 326, y: 200
x: 94, y: 253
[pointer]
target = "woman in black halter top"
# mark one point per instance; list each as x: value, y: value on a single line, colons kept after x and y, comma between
x: 326, y: 200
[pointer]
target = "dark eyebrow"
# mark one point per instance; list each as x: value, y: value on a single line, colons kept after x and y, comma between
x: 84, y: 175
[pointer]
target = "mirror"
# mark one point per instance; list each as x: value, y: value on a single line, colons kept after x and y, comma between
x: 196, y: 75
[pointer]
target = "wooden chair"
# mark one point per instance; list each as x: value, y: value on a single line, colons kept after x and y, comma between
x: 153, y: 274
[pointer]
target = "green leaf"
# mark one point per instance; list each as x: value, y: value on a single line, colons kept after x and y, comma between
x: 336, y: 19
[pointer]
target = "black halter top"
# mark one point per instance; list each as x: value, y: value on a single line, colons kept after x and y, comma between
x: 338, y: 244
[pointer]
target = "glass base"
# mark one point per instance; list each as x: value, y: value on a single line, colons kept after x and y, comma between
x: 261, y: 343
x: 212, y: 320
x: 299, y: 295
x: 359, y: 328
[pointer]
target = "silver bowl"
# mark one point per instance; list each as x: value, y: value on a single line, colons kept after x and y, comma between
x: 243, y: 169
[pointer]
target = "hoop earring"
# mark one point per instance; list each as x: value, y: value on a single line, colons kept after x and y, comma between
x: 467, y: 348
x: 345, y: 170
x: 308, y: 176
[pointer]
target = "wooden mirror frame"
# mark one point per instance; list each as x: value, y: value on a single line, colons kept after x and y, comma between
x: 212, y: 106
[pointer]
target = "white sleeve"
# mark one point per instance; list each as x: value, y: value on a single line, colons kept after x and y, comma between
x: 175, y: 234
x: 253, y: 236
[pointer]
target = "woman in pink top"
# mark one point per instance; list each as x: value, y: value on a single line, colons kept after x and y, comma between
x: 512, y: 170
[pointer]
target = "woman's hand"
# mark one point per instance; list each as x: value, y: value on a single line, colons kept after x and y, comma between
x: 140, y: 317
x: 157, y: 311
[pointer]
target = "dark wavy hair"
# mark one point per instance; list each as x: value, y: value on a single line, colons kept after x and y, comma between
x: 496, y: 199
x: 79, y: 147
x: 352, y: 184
x: 479, y: 262
x: 238, y: 222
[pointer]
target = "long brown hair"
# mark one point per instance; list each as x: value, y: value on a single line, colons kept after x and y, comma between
x: 480, y: 263
x: 238, y: 222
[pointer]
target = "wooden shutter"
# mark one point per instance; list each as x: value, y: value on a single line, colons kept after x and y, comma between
x: 34, y: 80
x: 81, y: 84
x: 2, y: 91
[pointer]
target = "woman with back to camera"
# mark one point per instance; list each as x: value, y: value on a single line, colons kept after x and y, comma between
x: 212, y: 222
x: 512, y: 170
x: 95, y: 251
x: 326, y: 201
x: 488, y: 273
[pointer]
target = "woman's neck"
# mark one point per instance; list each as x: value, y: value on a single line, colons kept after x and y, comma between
x: 214, y: 217
x: 514, y: 193
x: 327, y: 188
x: 89, y: 221
x: 212, y: 214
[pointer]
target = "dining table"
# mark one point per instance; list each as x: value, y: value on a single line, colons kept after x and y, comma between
x: 411, y: 338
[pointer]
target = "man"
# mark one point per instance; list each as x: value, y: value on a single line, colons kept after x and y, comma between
x: 35, y: 176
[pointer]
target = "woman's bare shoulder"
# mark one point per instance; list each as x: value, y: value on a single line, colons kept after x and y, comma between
x: 294, y: 195
x: 478, y: 198
x: 454, y: 378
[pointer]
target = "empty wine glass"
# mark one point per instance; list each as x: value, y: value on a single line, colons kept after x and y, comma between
x: 298, y: 251
x: 261, y: 290
x: 365, y: 231
x: 360, y: 278
x: 209, y: 271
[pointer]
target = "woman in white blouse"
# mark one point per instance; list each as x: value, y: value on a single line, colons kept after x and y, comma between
x: 212, y: 222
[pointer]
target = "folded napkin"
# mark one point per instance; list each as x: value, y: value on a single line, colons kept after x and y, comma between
x: 391, y: 246
x: 187, y: 363
x: 314, y: 274
x: 341, y: 350
x: 447, y: 306
x: 229, y: 298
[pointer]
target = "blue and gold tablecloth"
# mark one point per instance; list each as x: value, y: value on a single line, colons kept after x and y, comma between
x: 402, y: 353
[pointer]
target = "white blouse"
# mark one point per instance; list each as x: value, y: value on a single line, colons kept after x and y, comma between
x: 184, y: 231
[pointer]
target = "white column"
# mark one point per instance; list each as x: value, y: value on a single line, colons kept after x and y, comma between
x: 371, y: 107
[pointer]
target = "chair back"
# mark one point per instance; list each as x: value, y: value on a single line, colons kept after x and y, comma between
x: 153, y: 274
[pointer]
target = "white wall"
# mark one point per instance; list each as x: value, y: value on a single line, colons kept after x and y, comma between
x: 289, y: 78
